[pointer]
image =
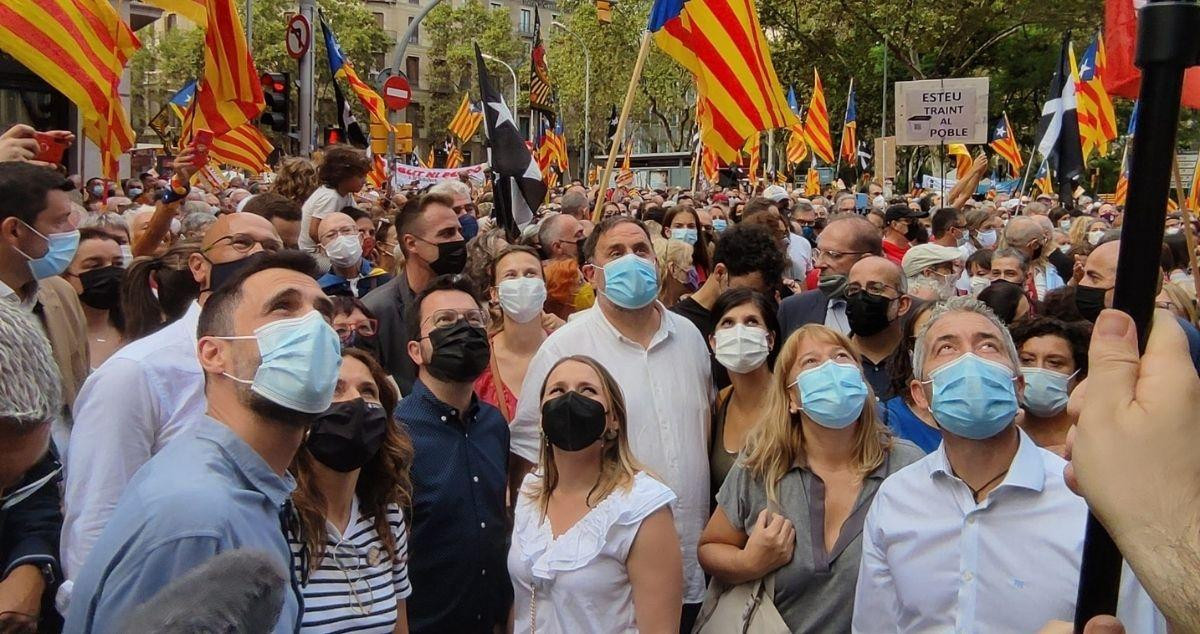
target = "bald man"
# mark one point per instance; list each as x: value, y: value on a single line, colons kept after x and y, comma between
x: 350, y: 273
x: 147, y: 393
x: 1035, y: 240
x: 877, y: 301
x: 846, y: 240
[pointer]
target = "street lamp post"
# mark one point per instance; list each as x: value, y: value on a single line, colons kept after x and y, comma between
x: 587, y: 94
x: 510, y: 72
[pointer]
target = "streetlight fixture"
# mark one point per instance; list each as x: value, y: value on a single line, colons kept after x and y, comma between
x: 512, y: 72
x: 587, y: 93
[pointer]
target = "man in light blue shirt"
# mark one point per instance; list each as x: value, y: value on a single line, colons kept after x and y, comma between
x: 223, y: 485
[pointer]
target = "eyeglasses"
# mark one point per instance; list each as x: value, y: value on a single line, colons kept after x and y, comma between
x: 336, y: 233
x: 244, y: 243
x: 366, y: 328
x: 468, y: 207
x: 879, y: 289
x: 833, y: 255
x: 448, y: 317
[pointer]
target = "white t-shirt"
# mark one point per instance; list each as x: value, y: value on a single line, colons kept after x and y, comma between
x: 581, y: 576
x: 355, y: 587
x: 321, y: 203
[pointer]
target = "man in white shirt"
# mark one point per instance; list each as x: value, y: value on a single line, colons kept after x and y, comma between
x: 799, y: 251
x: 661, y: 363
x: 983, y: 534
x: 845, y: 240
x: 343, y: 172
x: 145, y: 394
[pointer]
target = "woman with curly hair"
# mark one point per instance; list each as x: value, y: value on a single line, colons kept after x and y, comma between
x: 352, y: 483
x: 343, y: 171
x: 295, y: 179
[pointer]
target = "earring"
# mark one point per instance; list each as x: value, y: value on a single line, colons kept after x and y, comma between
x: 610, y: 434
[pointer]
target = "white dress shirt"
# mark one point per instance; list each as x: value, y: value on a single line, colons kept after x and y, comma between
x: 668, y: 392
x: 800, y: 254
x: 145, y: 394
x: 935, y: 561
x: 835, y: 316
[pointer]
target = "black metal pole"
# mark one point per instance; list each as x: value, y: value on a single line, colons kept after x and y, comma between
x: 1166, y: 47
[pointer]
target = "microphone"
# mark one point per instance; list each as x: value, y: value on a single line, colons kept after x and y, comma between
x: 236, y: 591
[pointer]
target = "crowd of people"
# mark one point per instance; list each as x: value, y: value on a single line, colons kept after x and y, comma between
x: 860, y: 414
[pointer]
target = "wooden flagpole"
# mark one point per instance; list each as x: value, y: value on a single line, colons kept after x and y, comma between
x: 625, y: 108
x: 1186, y: 216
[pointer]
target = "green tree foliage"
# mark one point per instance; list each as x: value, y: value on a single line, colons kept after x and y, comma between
x: 452, y: 33
x: 168, y: 59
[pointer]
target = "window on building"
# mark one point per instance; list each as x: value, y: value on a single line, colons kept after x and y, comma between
x: 378, y: 18
x: 497, y: 5
x: 415, y: 38
x: 526, y: 24
x: 412, y: 68
x: 380, y: 61
x: 171, y: 17
x: 416, y: 116
x: 414, y: 2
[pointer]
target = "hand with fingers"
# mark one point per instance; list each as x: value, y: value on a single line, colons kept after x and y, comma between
x: 771, y: 543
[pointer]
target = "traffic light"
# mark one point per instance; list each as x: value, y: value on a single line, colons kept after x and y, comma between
x: 277, y: 94
x: 404, y: 138
x: 333, y: 135
x: 604, y: 10
x: 379, y: 138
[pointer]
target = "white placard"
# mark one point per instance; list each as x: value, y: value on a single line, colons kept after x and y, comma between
x: 938, y: 111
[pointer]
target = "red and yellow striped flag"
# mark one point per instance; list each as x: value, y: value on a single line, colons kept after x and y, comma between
x: 964, y: 158
x: 1097, y: 120
x: 625, y: 176
x: 454, y: 157
x: 754, y: 149
x: 196, y: 11
x: 816, y: 123
x: 80, y: 48
x: 466, y: 120
x: 230, y: 92
x: 244, y: 147
x: 710, y: 165
x: 1123, y: 189
x: 378, y: 174
x: 797, y: 148
x: 722, y: 44
x: 339, y: 66
x: 812, y: 183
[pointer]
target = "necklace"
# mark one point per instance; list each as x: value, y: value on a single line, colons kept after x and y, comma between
x: 975, y: 492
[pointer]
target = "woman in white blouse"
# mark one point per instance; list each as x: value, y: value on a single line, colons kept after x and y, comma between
x: 594, y: 547
x: 351, y: 483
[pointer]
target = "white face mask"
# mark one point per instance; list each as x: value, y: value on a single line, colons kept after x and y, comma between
x: 344, y: 251
x: 126, y: 254
x: 741, y: 349
x: 522, y: 298
x: 1094, y: 236
x: 987, y: 239
x: 978, y: 283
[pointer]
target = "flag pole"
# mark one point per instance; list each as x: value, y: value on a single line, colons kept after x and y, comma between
x: 625, y: 108
x: 1028, y: 166
x: 838, y: 166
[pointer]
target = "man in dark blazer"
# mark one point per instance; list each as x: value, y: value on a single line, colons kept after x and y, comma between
x: 846, y: 239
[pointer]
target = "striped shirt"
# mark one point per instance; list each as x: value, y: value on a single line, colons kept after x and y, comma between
x: 356, y: 588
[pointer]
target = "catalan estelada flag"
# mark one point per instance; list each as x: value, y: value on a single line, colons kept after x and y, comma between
x: 78, y: 47
x: 960, y: 151
x: 339, y: 66
x: 797, y: 147
x: 816, y: 124
x: 1097, y: 121
x: 625, y: 176
x: 721, y: 43
x: 849, y: 149
x: 230, y: 91
x: 710, y: 165
x: 466, y: 120
x: 1004, y: 142
x: 754, y: 149
x: 244, y: 147
x: 1044, y: 182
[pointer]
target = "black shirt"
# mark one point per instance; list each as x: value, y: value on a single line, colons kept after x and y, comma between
x: 879, y: 376
x: 702, y: 318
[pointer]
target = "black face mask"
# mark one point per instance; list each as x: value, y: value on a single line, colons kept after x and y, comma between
x: 1089, y: 300
x: 225, y: 271
x: 867, y: 313
x: 177, y: 289
x: 452, y: 257
x: 833, y: 285
x: 460, y: 352
x: 347, y: 435
x: 101, y: 287
x: 573, y: 421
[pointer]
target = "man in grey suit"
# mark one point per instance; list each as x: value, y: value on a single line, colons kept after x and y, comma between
x: 847, y: 239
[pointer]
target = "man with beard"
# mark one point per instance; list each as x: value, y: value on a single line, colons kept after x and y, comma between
x: 901, y: 230
x: 270, y: 362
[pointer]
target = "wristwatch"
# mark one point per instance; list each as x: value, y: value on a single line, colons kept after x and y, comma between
x: 177, y: 190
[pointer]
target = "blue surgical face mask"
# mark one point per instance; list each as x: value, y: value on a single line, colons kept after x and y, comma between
x: 58, y: 256
x: 720, y: 224
x: 1046, y: 392
x: 300, y: 359
x: 832, y: 394
x: 687, y: 235
x: 973, y: 397
x: 630, y: 282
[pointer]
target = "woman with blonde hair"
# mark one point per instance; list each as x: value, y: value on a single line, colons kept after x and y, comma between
x: 676, y: 275
x: 1176, y: 299
x: 794, y: 504
x: 594, y: 548
x: 352, y: 482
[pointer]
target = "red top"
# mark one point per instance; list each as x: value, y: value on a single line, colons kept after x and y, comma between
x: 894, y: 252
x: 488, y: 387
